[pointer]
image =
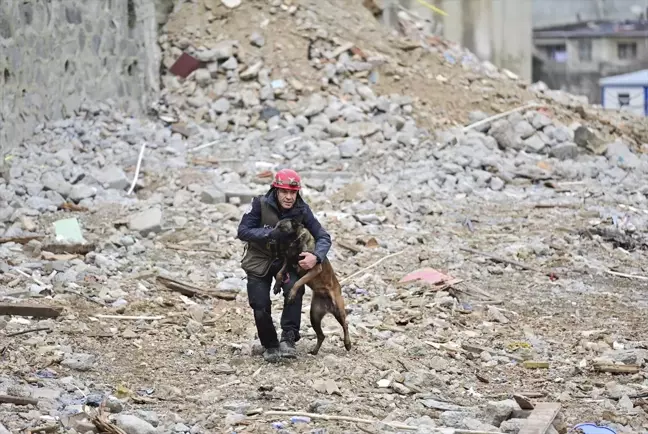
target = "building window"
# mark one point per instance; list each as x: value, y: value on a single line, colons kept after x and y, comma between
x: 624, y: 99
x: 585, y: 50
x: 557, y: 53
x: 627, y: 50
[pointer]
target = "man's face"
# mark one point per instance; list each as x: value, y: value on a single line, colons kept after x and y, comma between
x: 286, y: 198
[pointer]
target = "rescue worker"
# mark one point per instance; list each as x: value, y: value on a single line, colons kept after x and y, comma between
x: 261, y: 264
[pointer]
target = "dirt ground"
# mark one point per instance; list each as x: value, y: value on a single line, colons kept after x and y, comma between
x: 199, y: 362
x: 201, y: 375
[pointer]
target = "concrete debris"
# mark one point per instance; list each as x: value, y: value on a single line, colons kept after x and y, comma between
x: 388, y: 168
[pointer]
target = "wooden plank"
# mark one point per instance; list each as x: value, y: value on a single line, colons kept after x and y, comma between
x: 541, y: 418
x: 17, y: 400
x: 617, y: 369
x: 191, y: 291
x: 523, y: 402
x: 21, y: 239
x: 30, y: 310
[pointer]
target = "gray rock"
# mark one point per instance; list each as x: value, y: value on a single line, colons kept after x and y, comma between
x: 268, y: 113
x: 46, y: 393
x: 473, y: 424
x: 350, y: 147
x: 232, y: 284
x: 213, y: 69
x: 40, y: 204
x: 562, y: 134
x: 634, y: 356
x: 231, y: 4
x: 223, y: 50
x: 499, y: 411
x: 616, y: 390
x: 512, y: 426
x: 79, y: 361
x: 134, y: 425
x: 586, y: 138
x: 243, y: 193
x: 127, y: 241
x: 197, y: 101
x: 257, y: 39
x: 618, y: 153
x: 250, y: 98
x: 181, y: 428
x: 221, y: 105
x: 535, y: 143
x: 348, y: 87
x: 506, y: 137
x: 203, y: 76
x: 565, y: 151
x: 149, y: 416
x: 366, y: 93
x: 82, y: 191
x: 362, y: 129
x: 316, y: 184
x: 455, y: 419
x: 476, y: 116
x: 337, y: 129
x: 496, y: 184
x: 252, y: 71
x: 112, y: 177
x: 625, y: 404
x: 205, y: 56
x: 316, y: 104
x: 114, y: 404
x: 146, y: 221
x: 212, y: 195
x: 54, y: 181
x: 523, y: 129
x: 540, y: 120
x: 230, y: 64
x: 219, y: 88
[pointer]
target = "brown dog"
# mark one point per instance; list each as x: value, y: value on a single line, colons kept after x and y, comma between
x: 321, y: 279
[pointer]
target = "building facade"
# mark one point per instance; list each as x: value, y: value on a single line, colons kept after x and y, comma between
x: 558, y: 12
x: 574, y: 57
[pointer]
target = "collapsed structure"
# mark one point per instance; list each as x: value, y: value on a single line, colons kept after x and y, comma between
x: 407, y: 145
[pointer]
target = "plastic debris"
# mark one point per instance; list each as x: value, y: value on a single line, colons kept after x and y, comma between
x: 590, y: 428
x: 68, y: 231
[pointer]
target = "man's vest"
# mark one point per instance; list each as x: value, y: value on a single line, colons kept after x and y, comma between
x: 259, y: 256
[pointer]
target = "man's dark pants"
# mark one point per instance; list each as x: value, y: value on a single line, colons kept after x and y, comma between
x: 258, y: 289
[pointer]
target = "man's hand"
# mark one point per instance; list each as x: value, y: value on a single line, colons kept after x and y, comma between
x: 309, y: 260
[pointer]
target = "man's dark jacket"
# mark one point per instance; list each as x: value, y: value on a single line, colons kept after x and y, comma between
x: 257, y: 223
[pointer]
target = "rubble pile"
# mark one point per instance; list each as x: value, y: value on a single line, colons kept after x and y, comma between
x: 123, y: 299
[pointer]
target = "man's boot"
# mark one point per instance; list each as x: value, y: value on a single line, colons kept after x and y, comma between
x: 272, y: 355
x: 287, y: 345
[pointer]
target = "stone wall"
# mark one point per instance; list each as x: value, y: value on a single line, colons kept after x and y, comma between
x: 57, y: 54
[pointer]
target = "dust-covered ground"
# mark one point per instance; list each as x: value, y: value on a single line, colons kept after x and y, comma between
x: 555, y: 194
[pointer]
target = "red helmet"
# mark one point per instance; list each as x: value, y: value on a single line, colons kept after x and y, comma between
x: 287, y: 179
